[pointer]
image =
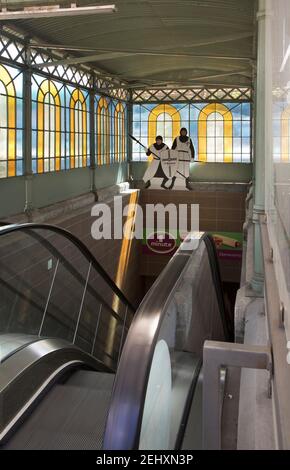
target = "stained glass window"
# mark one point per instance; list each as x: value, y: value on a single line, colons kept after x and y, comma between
x: 103, y: 128
x: 220, y: 132
x: 119, y: 132
x: 79, y: 126
x: 111, y: 126
x: 11, y: 122
x: 60, y: 126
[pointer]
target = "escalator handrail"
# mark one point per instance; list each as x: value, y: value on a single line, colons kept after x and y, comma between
x: 129, y: 392
x: 11, y: 228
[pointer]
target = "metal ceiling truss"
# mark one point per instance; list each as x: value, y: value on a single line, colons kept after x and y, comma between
x: 11, y: 49
x: 14, y: 48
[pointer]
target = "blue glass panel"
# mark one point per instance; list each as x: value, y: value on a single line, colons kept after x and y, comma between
x: 237, y: 146
x: 136, y: 147
x: 62, y: 139
x: 237, y: 112
x: 67, y: 143
x: 19, y: 144
x: 136, y: 128
x: 19, y: 167
x: 246, y: 145
x: 67, y: 118
x: 34, y: 144
x: 183, y: 111
x: 237, y: 129
x: 144, y: 129
x: 246, y: 129
x: 34, y: 115
x: 136, y: 112
x: 246, y: 111
x: 19, y: 113
x: 194, y: 112
x: 144, y: 114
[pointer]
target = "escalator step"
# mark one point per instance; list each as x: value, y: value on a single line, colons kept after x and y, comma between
x: 71, y: 416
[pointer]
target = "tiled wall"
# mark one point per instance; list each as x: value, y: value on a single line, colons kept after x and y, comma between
x: 107, y: 252
x: 221, y: 209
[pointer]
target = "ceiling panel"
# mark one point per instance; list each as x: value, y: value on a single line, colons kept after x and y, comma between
x: 208, y: 28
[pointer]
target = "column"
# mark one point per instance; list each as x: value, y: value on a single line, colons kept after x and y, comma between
x: 129, y: 141
x: 28, y: 207
x: 93, y: 165
x: 260, y: 144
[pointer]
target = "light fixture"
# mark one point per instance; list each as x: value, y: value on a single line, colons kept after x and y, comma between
x: 54, y: 11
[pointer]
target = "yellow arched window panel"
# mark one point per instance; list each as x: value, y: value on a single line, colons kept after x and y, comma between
x: 103, y: 131
x: 119, y: 119
x: 172, y: 112
x: 227, y: 118
x: 78, y: 131
x: 174, y: 116
x: 47, y: 89
x: 285, y: 134
x: 10, y: 98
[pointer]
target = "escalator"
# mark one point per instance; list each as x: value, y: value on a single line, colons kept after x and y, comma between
x: 80, y: 369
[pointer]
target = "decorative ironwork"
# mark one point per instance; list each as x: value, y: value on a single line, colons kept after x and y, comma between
x: 111, y: 137
x: 192, y: 94
x: 110, y: 88
x: 11, y: 49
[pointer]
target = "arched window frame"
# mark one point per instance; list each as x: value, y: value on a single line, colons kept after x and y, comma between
x: 78, y: 97
x: 119, y: 132
x: 45, y: 88
x: 103, y: 131
x: 228, y: 131
x: 153, y: 118
x: 8, y: 84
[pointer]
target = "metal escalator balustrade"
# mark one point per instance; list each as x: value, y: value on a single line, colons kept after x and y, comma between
x: 162, y: 356
x: 51, y: 286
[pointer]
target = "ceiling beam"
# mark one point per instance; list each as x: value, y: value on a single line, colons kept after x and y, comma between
x: 216, y: 40
x: 160, y: 73
x: 218, y: 75
x: 172, y: 85
x: 82, y: 60
x: 142, y: 52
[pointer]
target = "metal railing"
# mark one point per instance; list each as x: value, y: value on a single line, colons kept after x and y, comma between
x: 215, y: 357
